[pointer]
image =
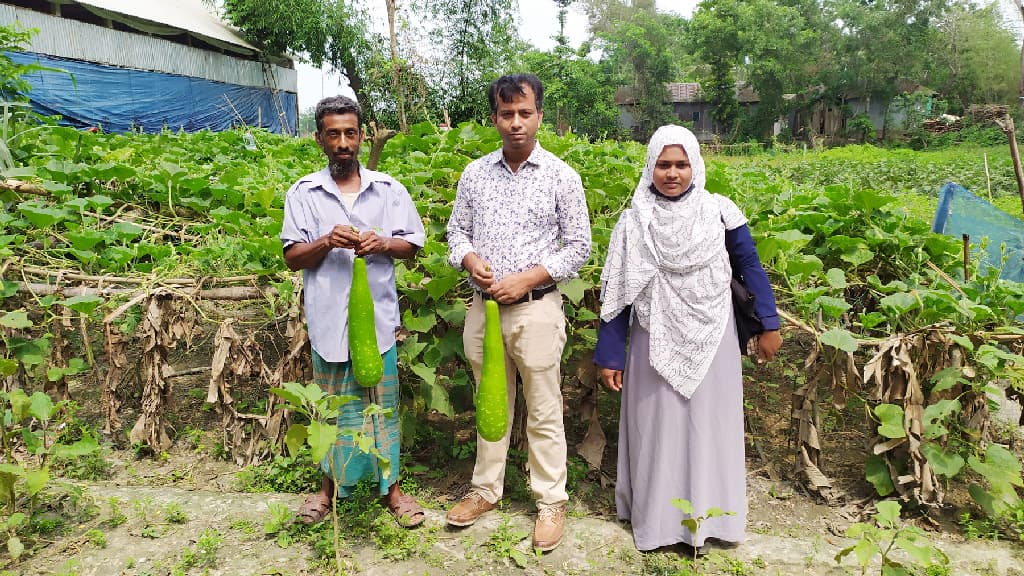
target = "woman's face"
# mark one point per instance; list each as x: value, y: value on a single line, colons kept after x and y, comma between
x: 672, y: 171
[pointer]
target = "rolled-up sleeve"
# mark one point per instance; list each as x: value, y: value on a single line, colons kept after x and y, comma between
x: 574, y: 225
x: 460, y: 224
x: 406, y: 223
x: 746, y: 263
x: 297, y: 226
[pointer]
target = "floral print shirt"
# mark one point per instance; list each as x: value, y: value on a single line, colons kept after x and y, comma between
x: 518, y: 220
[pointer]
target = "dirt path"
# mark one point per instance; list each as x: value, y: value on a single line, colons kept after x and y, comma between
x: 788, y: 535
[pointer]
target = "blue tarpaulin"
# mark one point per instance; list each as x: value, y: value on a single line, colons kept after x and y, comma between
x: 960, y: 212
x: 87, y: 94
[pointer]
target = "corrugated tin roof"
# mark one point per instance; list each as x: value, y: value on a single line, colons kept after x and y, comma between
x: 75, y: 40
x: 187, y: 15
x: 685, y: 91
x: 690, y: 92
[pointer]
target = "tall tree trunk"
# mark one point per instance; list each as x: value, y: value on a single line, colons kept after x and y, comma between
x: 1020, y: 6
x: 403, y: 125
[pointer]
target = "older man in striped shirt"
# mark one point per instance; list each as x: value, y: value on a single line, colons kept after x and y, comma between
x: 519, y: 226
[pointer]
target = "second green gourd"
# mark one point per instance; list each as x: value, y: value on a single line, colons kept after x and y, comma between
x: 367, y: 364
x: 492, y: 393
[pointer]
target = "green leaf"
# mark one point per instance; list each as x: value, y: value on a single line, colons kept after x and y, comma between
x: 437, y: 398
x: 422, y: 323
x: 804, y: 266
x: 41, y: 216
x: 944, y: 463
x: 900, y: 303
x: 13, y: 470
x: 15, y: 520
x: 428, y: 374
x: 35, y: 480
x: 888, y: 513
x: 321, y: 437
x: 872, y: 319
x: 877, y: 473
x: 14, y: 547
x: 518, y: 557
x: 839, y: 339
x: 964, y: 341
x: 684, y: 505
x: 934, y: 414
x: 8, y: 366
x: 945, y: 379
x: 295, y: 438
x: 84, y: 446
x: 41, y: 406
x: 991, y: 505
x: 1000, y: 466
x: 289, y: 396
x: 865, y: 550
x: 922, y: 555
x: 16, y: 320
x: 575, y: 289
x: 833, y: 306
x: 83, y: 304
x: 836, y: 278
x: 439, y: 286
x: 126, y: 230
x: 892, y: 421
x: 20, y: 403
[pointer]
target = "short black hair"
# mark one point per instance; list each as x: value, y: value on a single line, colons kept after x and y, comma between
x: 337, y: 105
x: 510, y: 86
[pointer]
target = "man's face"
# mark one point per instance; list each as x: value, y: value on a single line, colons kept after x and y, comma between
x: 517, y: 121
x: 339, y: 139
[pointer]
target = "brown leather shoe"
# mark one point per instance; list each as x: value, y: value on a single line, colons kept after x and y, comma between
x: 471, y: 507
x: 547, y: 532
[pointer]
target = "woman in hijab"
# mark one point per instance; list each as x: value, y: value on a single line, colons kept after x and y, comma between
x: 666, y: 286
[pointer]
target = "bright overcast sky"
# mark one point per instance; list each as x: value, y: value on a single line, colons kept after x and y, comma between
x: 539, y: 23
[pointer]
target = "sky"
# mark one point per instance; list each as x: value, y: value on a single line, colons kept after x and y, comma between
x: 539, y: 23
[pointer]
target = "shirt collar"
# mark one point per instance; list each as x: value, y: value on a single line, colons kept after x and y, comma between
x: 536, y: 156
x: 324, y: 180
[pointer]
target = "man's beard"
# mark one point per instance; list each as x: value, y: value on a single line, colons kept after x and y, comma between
x: 344, y: 168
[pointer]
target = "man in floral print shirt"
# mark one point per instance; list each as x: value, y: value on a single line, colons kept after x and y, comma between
x: 519, y: 225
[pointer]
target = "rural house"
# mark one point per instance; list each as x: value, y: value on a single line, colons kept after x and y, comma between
x: 690, y: 106
x: 122, y: 65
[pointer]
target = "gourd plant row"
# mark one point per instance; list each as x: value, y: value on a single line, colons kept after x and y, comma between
x: 881, y: 300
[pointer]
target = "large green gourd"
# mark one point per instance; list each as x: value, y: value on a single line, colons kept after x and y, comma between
x: 492, y: 394
x: 367, y: 364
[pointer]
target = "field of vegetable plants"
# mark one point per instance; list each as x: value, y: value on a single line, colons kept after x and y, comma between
x: 130, y: 262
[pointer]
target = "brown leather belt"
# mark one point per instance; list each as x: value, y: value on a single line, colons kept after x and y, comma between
x: 530, y: 296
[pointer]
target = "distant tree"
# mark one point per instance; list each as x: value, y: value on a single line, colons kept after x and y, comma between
x: 472, y: 43
x: 976, y: 57
x: 579, y: 94
x: 714, y: 36
x: 322, y: 31
x: 640, y: 50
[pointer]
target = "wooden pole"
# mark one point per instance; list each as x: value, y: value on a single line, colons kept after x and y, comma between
x: 1015, y: 156
x: 988, y: 177
x: 1006, y: 124
x: 967, y: 257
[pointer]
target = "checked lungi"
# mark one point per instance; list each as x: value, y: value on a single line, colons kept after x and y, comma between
x: 345, y: 463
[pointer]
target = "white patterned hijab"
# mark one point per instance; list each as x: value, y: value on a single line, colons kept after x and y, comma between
x: 668, y: 260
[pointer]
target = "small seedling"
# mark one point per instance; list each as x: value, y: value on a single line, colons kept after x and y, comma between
x: 884, y: 537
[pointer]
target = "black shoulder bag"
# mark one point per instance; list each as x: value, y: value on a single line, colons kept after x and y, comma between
x: 748, y: 324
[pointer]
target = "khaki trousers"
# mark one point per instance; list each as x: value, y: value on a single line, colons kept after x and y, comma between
x: 534, y: 336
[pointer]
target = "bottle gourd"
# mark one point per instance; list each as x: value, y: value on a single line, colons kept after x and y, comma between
x: 492, y: 393
x: 367, y: 364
